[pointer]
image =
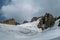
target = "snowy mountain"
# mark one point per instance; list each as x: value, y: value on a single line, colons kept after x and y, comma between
x: 28, y: 31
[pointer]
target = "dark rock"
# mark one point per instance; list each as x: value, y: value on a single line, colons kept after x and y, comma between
x: 16, y: 23
x: 47, y: 20
x: 40, y: 25
x: 34, y: 19
x: 25, y: 22
x: 58, y: 17
x: 59, y: 23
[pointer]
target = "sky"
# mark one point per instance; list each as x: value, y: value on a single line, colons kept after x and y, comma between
x: 26, y: 9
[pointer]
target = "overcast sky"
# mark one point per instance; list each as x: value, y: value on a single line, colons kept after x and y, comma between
x: 26, y: 9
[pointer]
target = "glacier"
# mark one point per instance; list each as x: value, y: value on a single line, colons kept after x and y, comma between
x: 28, y: 31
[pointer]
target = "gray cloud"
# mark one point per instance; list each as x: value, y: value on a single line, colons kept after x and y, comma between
x: 25, y: 9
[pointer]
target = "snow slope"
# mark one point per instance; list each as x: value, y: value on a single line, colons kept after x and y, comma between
x: 28, y: 31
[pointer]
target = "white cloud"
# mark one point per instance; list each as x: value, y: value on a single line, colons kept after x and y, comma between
x: 24, y: 10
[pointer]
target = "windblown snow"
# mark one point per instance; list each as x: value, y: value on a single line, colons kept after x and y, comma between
x: 28, y: 31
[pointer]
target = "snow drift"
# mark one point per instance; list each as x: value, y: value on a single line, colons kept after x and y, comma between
x: 28, y: 31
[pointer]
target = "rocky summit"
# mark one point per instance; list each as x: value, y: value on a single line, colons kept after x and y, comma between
x: 47, y: 20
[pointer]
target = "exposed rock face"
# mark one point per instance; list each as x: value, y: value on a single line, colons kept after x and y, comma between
x: 59, y: 23
x: 25, y: 22
x: 34, y: 19
x: 47, y: 20
x: 58, y: 17
x: 10, y: 21
x: 40, y: 25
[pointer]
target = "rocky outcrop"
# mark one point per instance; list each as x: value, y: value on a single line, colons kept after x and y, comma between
x: 10, y: 21
x: 47, y: 20
x: 25, y: 22
x: 34, y: 19
x: 40, y: 25
x: 59, y: 23
x: 58, y: 17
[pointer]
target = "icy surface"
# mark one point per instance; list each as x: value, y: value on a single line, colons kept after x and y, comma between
x: 28, y: 31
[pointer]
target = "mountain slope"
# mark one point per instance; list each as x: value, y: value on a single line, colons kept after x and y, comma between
x: 28, y: 31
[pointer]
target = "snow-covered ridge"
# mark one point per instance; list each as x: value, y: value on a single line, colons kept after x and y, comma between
x: 24, y: 28
x: 22, y: 32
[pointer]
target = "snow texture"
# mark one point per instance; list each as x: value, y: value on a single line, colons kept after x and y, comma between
x: 28, y: 31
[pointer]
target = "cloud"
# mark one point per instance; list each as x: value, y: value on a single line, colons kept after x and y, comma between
x: 26, y: 9
x: 20, y: 10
